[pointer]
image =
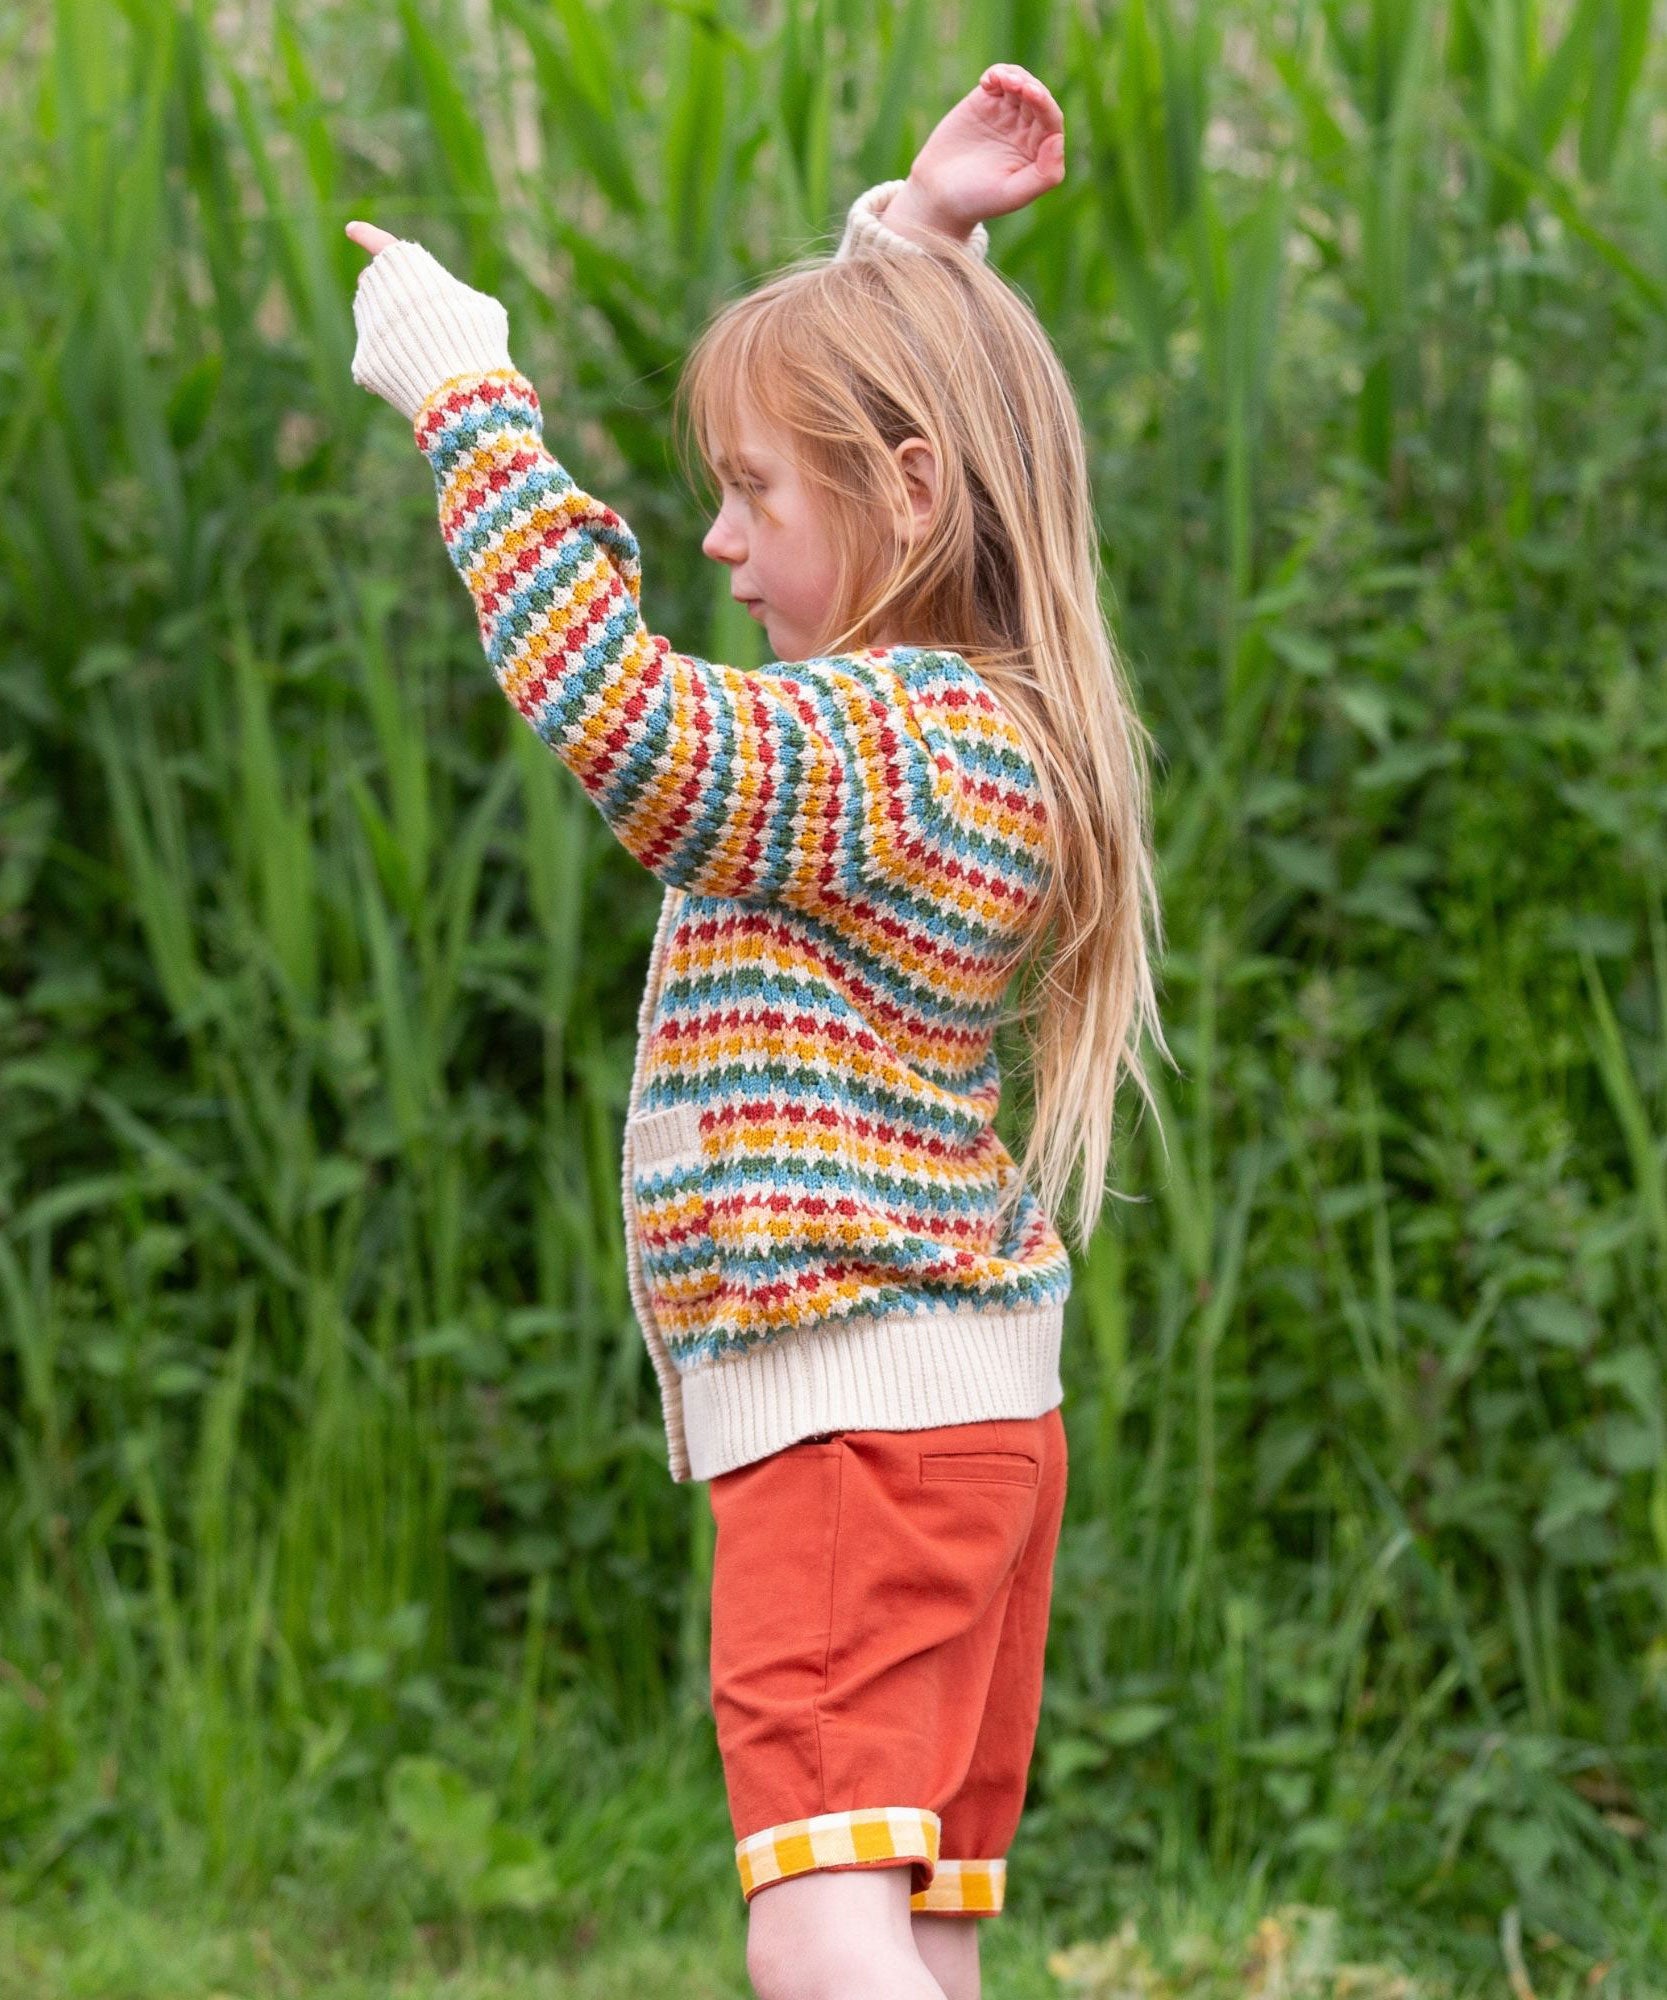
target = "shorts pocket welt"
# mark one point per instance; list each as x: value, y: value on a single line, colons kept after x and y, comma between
x: 1000, y: 1468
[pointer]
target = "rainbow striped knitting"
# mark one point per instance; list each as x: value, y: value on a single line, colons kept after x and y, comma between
x: 854, y: 850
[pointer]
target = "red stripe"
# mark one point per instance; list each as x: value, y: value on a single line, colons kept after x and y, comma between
x: 435, y: 417
x: 967, y: 968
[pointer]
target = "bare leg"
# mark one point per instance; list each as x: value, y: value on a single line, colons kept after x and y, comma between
x: 948, y: 1947
x: 836, y: 1934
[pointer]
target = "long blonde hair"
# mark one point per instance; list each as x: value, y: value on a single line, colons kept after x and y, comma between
x: 842, y: 359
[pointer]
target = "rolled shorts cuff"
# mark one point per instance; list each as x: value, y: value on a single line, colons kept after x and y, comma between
x: 963, y: 1889
x: 869, y: 1837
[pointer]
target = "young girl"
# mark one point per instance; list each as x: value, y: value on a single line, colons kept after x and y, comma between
x: 852, y: 1297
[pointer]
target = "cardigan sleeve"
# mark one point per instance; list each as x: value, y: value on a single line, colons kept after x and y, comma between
x: 805, y: 783
x: 866, y: 228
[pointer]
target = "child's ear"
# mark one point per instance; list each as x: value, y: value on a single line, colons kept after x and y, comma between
x: 919, y: 467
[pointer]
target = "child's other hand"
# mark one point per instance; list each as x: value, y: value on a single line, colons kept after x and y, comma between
x: 1000, y: 147
x: 419, y: 326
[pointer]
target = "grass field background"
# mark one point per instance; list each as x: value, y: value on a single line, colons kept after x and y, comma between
x: 351, y: 1630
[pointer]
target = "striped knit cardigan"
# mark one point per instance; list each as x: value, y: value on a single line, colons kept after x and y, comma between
x: 853, y: 850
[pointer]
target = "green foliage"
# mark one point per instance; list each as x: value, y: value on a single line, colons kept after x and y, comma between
x: 455, y: 1828
x: 331, y: 1476
x: 1292, y: 1951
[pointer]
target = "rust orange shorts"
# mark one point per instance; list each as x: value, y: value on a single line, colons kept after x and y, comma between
x: 879, y: 1615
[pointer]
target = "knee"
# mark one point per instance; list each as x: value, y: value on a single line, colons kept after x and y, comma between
x: 778, y: 1971
x: 828, y: 1934
x: 775, y: 1973
x: 822, y: 1967
x: 805, y: 1968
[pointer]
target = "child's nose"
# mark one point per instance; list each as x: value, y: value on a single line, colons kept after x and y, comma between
x: 721, y: 542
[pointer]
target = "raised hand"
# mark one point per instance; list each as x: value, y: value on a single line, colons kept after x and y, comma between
x: 1000, y: 147
x: 418, y: 326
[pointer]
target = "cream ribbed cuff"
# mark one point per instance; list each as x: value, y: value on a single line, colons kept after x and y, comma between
x: 866, y: 230
x: 419, y: 326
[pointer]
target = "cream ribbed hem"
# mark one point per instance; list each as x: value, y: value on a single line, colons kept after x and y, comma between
x: 906, y: 1373
x: 419, y: 326
x: 865, y: 228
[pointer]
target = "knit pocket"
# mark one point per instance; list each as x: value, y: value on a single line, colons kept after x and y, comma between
x: 671, y: 1187
x: 658, y: 1137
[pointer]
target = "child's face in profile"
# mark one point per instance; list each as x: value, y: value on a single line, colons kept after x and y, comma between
x: 769, y: 531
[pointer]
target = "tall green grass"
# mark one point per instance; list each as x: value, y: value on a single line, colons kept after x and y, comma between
x: 327, y: 1444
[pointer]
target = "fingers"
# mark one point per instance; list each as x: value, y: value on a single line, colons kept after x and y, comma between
x: 1013, y: 80
x: 369, y: 237
x: 1024, y: 111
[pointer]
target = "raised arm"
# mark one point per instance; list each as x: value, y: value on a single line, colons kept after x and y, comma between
x: 996, y: 150
x: 805, y: 784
